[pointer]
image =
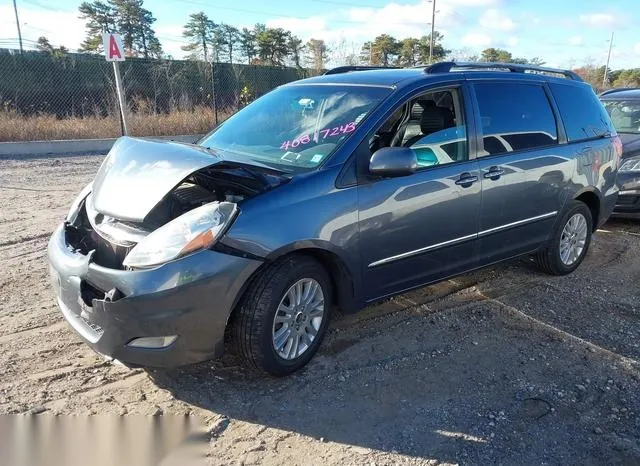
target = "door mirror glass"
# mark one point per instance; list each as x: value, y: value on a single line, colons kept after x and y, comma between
x: 393, y: 161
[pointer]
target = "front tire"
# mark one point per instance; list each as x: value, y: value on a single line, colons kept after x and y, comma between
x: 283, y: 316
x: 570, y: 241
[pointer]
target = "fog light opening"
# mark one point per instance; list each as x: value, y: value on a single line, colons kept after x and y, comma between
x: 152, y: 342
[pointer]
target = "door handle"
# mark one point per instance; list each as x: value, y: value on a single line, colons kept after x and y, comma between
x: 494, y: 173
x: 466, y: 179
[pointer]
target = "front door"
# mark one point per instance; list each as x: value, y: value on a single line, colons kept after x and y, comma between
x: 422, y: 227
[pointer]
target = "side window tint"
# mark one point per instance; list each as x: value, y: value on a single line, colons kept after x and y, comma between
x: 515, y: 117
x: 582, y: 113
x: 432, y: 124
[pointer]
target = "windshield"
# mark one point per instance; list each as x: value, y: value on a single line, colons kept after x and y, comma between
x: 296, y: 127
x: 625, y: 115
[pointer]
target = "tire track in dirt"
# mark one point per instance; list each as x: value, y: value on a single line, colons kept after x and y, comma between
x: 48, y: 190
x: 25, y: 239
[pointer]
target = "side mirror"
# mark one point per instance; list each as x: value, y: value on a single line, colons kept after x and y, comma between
x: 393, y: 161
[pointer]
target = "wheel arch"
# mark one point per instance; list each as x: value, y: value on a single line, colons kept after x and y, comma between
x: 592, y: 198
x: 344, y: 278
x: 342, y: 271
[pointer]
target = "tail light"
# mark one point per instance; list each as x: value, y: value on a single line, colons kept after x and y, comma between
x: 617, y: 144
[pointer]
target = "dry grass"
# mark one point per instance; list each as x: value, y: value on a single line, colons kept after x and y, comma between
x: 15, y: 127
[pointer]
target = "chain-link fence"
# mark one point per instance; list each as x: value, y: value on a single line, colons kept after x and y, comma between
x: 73, y: 96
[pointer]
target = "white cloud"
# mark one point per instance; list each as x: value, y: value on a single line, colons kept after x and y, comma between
x: 476, y: 40
x: 60, y: 27
x: 360, y: 24
x: 170, y: 36
x: 495, y: 19
x: 311, y: 26
x: 402, y: 20
x: 599, y: 19
x: 513, y: 41
x: 576, y: 40
x: 473, y: 2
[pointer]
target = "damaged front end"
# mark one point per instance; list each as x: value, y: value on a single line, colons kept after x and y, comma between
x: 154, y: 201
x: 133, y: 266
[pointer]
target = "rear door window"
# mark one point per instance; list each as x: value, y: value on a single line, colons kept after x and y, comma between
x: 515, y: 116
x: 583, y: 115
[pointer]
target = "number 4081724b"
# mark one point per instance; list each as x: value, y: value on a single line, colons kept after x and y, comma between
x: 319, y: 135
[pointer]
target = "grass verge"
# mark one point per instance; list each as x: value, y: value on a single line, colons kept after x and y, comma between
x: 16, y: 127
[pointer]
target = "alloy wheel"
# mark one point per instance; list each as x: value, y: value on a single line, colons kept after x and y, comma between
x: 573, y: 239
x: 298, y: 318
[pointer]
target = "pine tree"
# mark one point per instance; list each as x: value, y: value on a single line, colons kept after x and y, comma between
x: 296, y: 48
x: 229, y: 38
x: 100, y: 19
x: 248, y: 45
x: 199, y: 31
x: 125, y: 17
x: 272, y: 45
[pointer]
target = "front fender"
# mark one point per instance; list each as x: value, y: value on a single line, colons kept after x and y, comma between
x: 307, y: 213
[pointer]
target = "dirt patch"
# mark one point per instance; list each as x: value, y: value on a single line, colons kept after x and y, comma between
x: 504, y: 365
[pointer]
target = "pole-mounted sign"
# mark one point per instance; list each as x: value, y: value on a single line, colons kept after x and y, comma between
x: 114, y: 52
x: 113, y: 48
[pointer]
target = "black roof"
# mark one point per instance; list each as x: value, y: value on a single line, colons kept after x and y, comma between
x: 398, y: 77
x: 372, y: 77
x: 622, y: 93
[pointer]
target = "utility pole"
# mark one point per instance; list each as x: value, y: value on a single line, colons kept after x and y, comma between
x: 15, y: 9
x: 606, y: 68
x: 433, y: 29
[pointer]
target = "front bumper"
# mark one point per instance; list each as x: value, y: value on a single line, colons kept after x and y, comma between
x: 191, y: 297
x: 628, y: 203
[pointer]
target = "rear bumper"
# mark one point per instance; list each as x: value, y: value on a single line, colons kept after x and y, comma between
x: 191, y: 298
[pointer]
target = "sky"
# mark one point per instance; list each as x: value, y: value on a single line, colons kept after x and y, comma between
x: 564, y: 33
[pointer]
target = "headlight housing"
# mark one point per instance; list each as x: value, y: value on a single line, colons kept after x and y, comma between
x: 195, y: 230
x: 630, y: 165
x: 77, y: 202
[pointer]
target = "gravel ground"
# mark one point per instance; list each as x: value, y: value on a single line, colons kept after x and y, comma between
x: 505, y: 365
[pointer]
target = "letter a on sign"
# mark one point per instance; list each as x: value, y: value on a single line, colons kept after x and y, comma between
x: 113, y: 49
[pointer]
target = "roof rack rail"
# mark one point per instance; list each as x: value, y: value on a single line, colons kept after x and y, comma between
x: 347, y: 69
x: 617, y: 89
x: 447, y: 66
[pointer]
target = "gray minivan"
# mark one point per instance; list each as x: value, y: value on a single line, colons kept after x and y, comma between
x: 333, y: 191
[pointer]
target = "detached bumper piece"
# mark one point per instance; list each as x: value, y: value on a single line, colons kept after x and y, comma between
x: 168, y: 316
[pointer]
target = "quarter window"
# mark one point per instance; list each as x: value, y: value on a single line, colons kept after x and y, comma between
x: 581, y: 111
x: 515, y: 117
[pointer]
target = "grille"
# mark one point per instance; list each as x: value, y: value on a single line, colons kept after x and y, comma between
x: 97, y: 330
x: 627, y: 200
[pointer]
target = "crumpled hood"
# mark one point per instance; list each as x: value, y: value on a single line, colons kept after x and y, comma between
x: 138, y: 173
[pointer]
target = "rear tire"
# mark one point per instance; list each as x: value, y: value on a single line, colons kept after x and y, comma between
x: 570, y: 241
x: 262, y: 321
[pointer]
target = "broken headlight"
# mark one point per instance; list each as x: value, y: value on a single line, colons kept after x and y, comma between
x: 77, y: 202
x: 195, y: 230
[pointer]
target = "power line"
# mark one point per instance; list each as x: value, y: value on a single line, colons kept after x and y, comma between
x: 357, y: 5
x: 286, y: 15
x: 15, y: 39
x: 46, y: 7
x: 37, y: 29
x: 179, y: 41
